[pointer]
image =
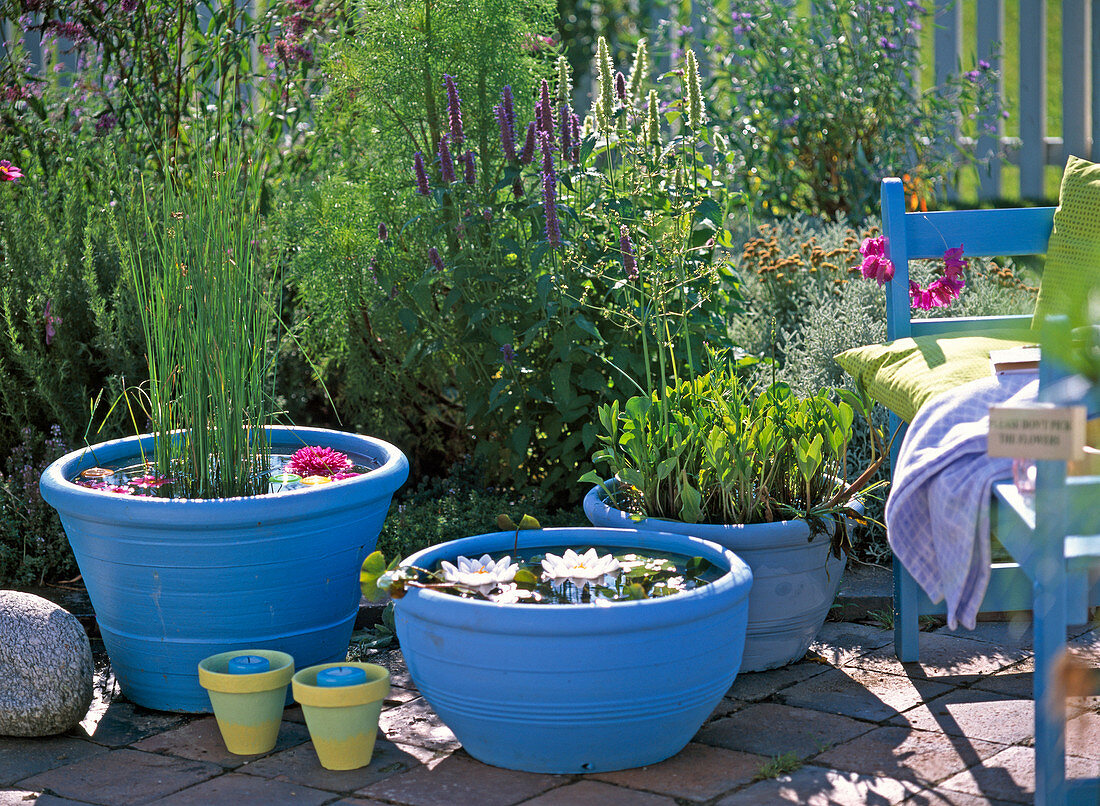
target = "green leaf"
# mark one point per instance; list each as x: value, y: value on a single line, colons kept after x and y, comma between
x: 409, y: 320
x: 691, y: 503
x: 524, y: 578
x: 505, y: 524
x: 529, y: 522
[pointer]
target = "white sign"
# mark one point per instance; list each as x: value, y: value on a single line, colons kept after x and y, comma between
x: 1040, y: 431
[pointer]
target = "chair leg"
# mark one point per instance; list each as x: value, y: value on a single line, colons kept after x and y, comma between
x: 1050, y: 701
x: 906, y: 626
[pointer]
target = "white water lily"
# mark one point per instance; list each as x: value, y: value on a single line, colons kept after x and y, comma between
x: 581, y: 568
x: 483, y: 575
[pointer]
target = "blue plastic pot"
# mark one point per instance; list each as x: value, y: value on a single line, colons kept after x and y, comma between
x: 575, y: 688
x: 795, y: 579
x: 174, y: 581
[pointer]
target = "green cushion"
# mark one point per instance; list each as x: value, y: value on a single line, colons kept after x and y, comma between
x: 904, y: 374
x: 1073, y: 254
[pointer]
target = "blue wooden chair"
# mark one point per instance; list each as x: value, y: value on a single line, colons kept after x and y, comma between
x: 1053, y: 537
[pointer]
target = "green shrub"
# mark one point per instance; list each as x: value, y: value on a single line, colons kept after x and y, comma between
x: 461, y: 505
x: 33, y: 548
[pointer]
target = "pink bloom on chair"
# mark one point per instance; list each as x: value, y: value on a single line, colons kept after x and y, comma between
x: 875, y: 263
x: 954, y: 262
x: 314, y: 460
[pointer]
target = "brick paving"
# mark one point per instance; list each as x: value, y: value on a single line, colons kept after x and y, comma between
x: 857, y: 726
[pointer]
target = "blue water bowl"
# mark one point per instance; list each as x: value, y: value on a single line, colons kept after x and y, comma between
x: 576, y: 688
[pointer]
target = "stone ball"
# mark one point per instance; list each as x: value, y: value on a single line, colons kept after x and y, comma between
x: 45, y: 667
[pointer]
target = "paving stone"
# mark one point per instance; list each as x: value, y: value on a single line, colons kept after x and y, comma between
x: 119, y: 723
x: 697, y: 772
x: 943, y: 655
x: 358, y: 802
x: 201, y: 740
x: 394, y: 661
x: 22, y: 758
x: 1083, y: 736
x: 839, y: 642
x: 1014, y: 631
x: 816, y: 786
x: 21, y: 797
x: 975, y: 714
x: 932, y: 797
x: 236, y: 788
x: 725, y: 708
x: 594, y: 793
x: 1010, y: 775
x: 299, y: 765
x: 123, y: 777
x: 1018, y: 680
x: 757, y: 686
x: 770, y: 729
x: 861, y: 693
x: 459, y: 779
x: 416, y: 723
x: 398, y: 696
x: 920, y: 756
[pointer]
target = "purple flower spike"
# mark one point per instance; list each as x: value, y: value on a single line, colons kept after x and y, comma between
x: 446, y: 161
x: 566, y: 124
x: 549, y: 203
x: 470, y: 173
x: 545, y: 113
x: 435, y: 259
x: 575, y: 135
x: 509, y: 107
x: 517, y: 187
x: 547, y: 150
x: 620, y: 87
x: 454, y: 111
x: 383, y: 233
x: 528, y: 152
x: 626, y: 252
x: 421, y: 175
x: 509, y: 353
x: 507, y: 136
x: 51, y: 320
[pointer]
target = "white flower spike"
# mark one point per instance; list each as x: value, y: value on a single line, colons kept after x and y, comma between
x: 482, y: 575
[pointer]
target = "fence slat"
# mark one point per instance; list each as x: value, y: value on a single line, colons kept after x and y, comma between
x: 947, y: 42
x: 1076, y: 77
x: 1094, y: 107
x: 990, y: 36
x: 1033, y: 97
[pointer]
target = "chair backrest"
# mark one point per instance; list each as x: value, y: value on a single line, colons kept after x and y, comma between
x: 919, y: 236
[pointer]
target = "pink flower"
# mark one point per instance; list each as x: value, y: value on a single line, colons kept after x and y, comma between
x: 314, y: 460
x: 149, y: 482
x: 944, y: 291
x: 875, y: 263
x: 919, y: 297
x: 120, y: 489
x: 345, y: 474
x: 9, y: 172
x: 51, y: 320
x: 954, y: 262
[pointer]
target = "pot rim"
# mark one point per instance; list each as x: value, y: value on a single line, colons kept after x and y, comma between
x: 68, y: 497
x: 549, y: 619
x: 773, y: 534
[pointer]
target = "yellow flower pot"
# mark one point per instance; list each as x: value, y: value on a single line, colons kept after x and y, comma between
x: 342, y: 719
x: 248, y: 707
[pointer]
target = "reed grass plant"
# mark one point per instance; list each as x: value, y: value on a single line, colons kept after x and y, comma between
x: 209, y: 313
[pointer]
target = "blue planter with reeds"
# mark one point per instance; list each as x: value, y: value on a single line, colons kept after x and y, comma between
x: 173, y: 581
x: 575, y: 688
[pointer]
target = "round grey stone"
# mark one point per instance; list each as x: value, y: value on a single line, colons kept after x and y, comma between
x: 45, y: 667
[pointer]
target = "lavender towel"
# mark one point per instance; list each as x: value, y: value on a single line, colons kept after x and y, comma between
x: 937, y: 515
